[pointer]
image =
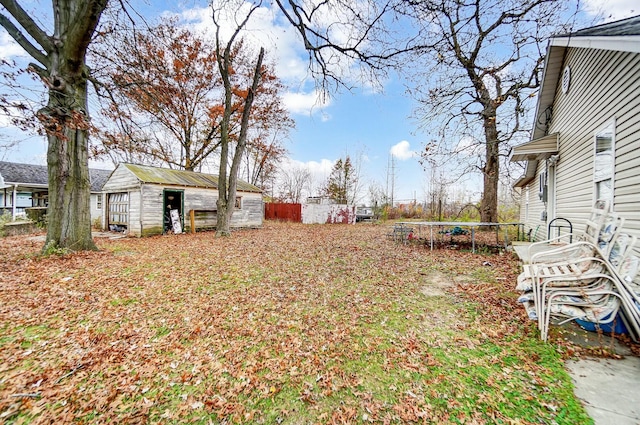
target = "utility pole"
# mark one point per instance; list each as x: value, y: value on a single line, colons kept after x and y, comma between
x: 393, y: 178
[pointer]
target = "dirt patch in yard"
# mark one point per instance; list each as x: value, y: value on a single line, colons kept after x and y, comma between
x: 436, y: 285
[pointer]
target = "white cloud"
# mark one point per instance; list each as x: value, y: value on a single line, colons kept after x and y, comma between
x: 305, y: 103
x: 319, y: 170
x: 9, y: 48
x: 402, y: 151
x: 282, y: 44
x: 611, y: 10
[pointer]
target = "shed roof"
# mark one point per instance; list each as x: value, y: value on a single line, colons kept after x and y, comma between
x: 156, y: 175
x: 37, y: 176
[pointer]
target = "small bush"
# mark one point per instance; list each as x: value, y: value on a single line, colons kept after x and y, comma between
x: 51, y: 248
x: 97, y: 223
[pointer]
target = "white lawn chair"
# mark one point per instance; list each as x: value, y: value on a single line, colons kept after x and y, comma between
x: 582, y: 270
x: 593, y: 227
x: 599, y: 236
x: 598, y: 301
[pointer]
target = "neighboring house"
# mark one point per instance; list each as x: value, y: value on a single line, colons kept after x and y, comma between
x: 586, y: 140
x: 28, y: 184
x: 139, y: 200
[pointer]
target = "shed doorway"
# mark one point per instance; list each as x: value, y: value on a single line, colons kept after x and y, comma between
x: 173, y: 211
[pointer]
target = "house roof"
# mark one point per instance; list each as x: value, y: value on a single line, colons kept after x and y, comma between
x: 24, y: 174
x: 628, y: 26
x: 36, y: 176
x: 98, y: 178
x: 156, y: 175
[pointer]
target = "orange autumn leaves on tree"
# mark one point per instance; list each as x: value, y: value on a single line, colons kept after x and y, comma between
x: 165, y: 100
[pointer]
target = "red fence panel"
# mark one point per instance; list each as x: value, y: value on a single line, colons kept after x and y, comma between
x: 284, y: 212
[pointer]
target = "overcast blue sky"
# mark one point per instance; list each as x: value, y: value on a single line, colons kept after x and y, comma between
x: 365, y: 123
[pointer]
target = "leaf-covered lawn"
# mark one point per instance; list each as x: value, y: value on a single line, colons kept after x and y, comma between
x: 289, y: 324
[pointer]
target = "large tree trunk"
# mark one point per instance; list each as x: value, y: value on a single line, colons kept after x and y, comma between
x: 61, y: 65
x: 65, y: 117
x: 491, y: 172
x: 225, y: 210
x: 228, y: 182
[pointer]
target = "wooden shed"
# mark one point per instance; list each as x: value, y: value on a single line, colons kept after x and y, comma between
x: 141, y: 200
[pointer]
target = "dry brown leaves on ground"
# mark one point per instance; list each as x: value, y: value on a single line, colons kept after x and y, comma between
x: 288, y: 323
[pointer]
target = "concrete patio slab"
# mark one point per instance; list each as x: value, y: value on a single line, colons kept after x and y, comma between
x: 608, y: 388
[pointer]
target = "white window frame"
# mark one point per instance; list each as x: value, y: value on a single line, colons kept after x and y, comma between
x: 610, y: 126
x: 118, y: 208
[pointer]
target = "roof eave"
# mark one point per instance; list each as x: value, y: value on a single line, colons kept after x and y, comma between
x: 529, y: 174
x: 623, y: 43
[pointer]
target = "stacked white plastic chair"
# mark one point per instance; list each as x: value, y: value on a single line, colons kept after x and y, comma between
x: 590, y: 279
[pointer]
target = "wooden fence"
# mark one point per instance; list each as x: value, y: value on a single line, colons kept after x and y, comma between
x: 284, y: 212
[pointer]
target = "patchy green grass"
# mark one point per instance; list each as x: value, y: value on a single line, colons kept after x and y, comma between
x: 288, y: 324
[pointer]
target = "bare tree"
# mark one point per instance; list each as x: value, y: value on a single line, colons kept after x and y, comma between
x: 231, y: 157
x: 294, y: 182
x: 337, y: 35
x: 60, y: 62
x: 262, y: 156
x: 348, y: 40
x: 164, y: 92
x: 482, y: 62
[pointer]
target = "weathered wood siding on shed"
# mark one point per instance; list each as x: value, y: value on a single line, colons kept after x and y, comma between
x: 152, y: 214
x: 250, y: 215
x: 604, y: 87
x: 146, y: 204
x: 252, y: 212
x: 121, y: 180
x: 135, y: 225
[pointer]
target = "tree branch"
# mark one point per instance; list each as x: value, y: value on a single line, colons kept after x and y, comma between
x: 29, y: 25
x: 15, y: 33
x: 80, y: 32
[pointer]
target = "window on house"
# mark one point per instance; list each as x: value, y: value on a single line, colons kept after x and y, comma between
x: 99, y: 201
x: 604, y: 163
x: 238, y: 204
